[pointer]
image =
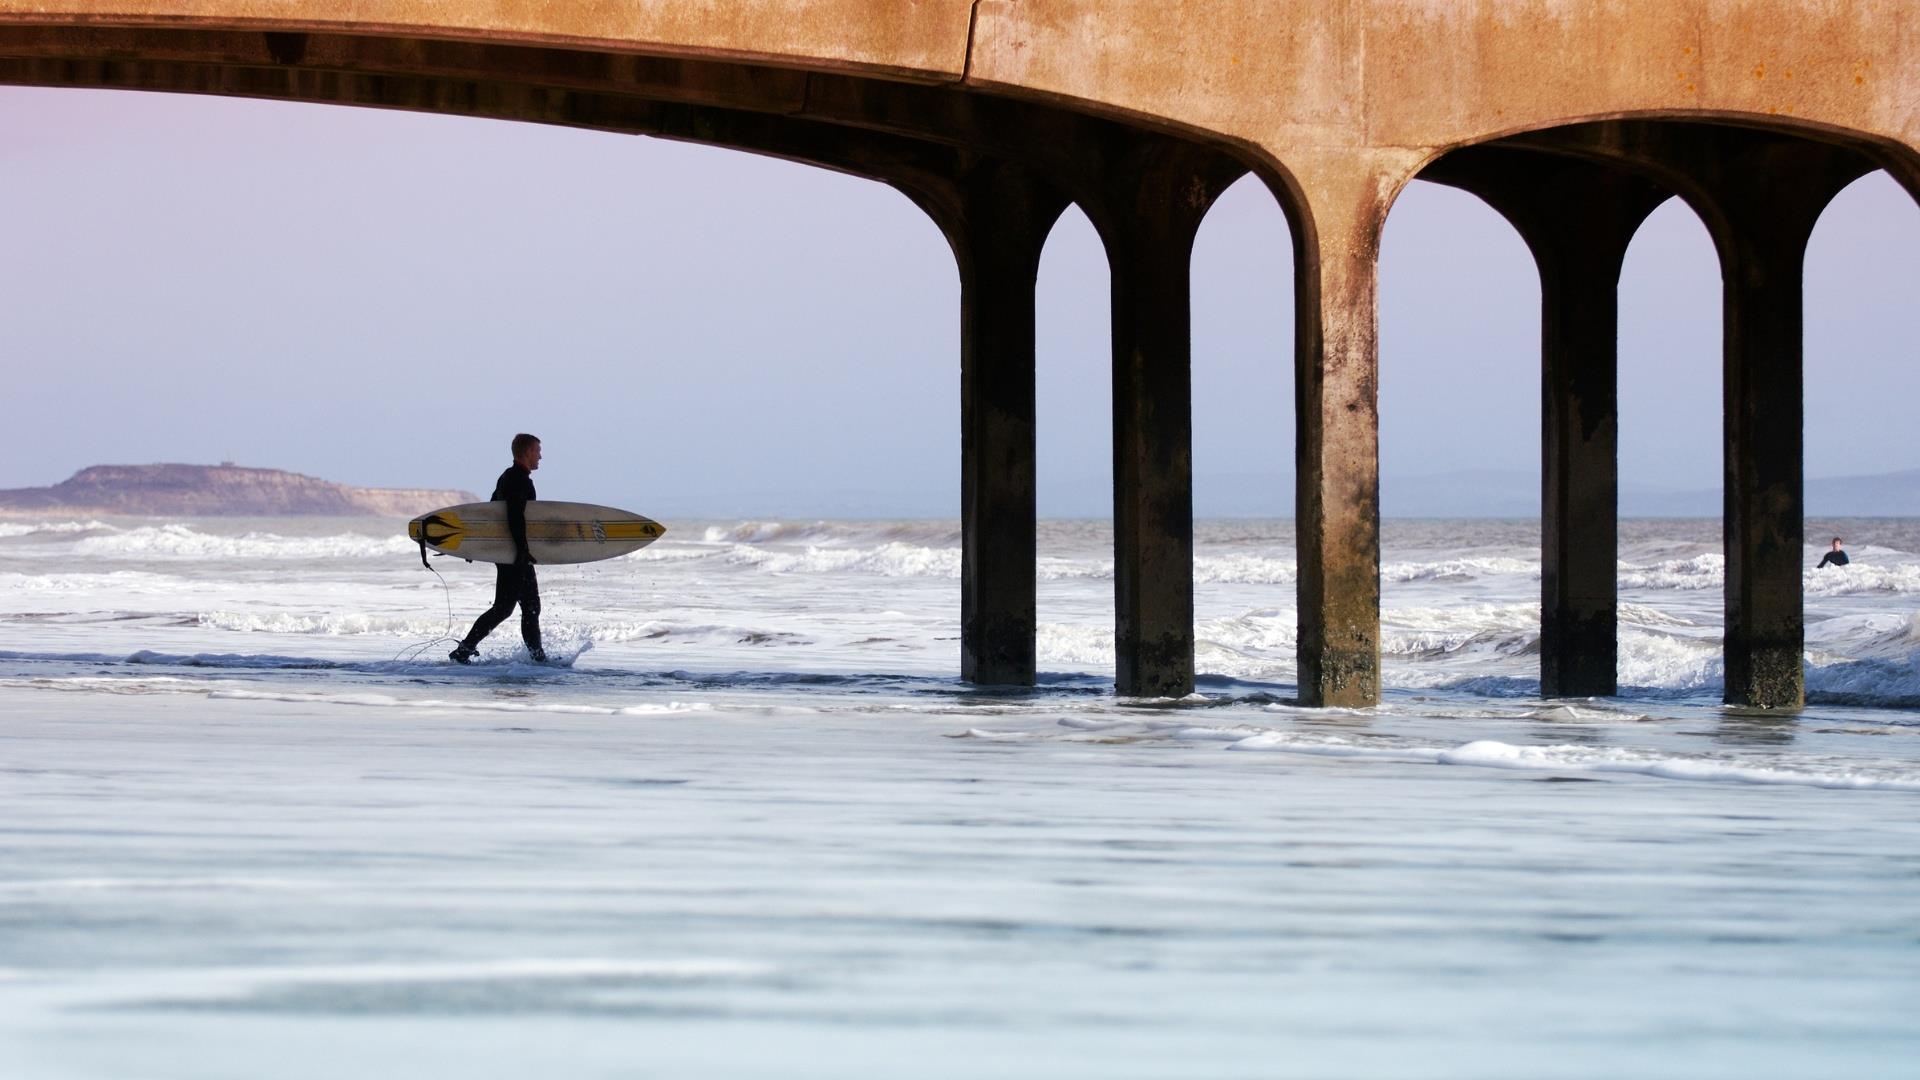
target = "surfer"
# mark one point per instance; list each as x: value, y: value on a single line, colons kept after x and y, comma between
x: 1836, y: 557
x: 515, y: 582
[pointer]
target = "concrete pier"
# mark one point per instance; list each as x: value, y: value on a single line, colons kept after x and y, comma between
x: 1579, y: 453
x: 1763, y: 391
x: 1337, y: 451
x: 1767, y: 198
x: 1759, y: 194
x: 1756, y: 117
x: 1002, y: 226
x: 1148, y: 220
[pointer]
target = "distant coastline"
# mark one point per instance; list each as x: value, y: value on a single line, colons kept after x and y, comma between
x: 237, y: 491
x: 218, y: 491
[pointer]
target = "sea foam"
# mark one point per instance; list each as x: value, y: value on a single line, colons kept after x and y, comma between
x: 886, y: 560
x: 1490, y: 753
x: 10, y: 529
x: 389, y: 701
x: 184, y: 541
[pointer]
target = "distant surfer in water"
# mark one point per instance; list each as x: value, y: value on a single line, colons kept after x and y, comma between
x: 515, y: 583
x: 1836, y: 557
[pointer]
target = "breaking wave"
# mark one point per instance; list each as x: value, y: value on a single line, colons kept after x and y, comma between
x: 1698, y: 572
x: 1710, y: 572
x: 389, y: 701
x: 112, y: 580
x: 924, y: 533
x: 887, y: 560
x: 11, y: 529
x: 184, y: 541
x: 1459, y: 569
x: 280, y: 622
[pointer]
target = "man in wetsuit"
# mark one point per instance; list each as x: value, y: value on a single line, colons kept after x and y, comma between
x: 515, y: 583
x: 1836, y: 557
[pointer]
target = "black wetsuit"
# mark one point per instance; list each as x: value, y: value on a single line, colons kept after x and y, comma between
x: 1837, y: 558
x: 515, y: 583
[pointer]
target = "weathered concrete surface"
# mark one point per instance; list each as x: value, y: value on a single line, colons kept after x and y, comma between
x: 1580, y: 423
x: 1337, y: 429
x: 921, y: 39
x: 1271, y: 75
x: 1768, y: 200
x: 1148, y: 216
x: 1002, y: 222
x: 1277, y: 73
x: 1421, y: 73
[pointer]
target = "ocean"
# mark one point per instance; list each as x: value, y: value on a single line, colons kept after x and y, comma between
x: 751, y: 823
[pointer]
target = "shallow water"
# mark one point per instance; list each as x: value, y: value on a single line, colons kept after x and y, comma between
x: 755, y: 827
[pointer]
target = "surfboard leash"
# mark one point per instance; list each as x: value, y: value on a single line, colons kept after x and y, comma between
x: 412, y: 652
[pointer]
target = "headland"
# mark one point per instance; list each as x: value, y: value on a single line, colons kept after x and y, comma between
x: 218, y: 491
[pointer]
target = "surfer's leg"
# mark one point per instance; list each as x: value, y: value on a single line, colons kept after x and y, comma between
x: 506, y: 591
x: 530, y: 613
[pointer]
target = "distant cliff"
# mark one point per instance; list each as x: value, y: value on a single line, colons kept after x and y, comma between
x: 217, y: 490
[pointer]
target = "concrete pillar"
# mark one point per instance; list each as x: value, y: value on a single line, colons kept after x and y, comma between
x: 1762, y: 205
x: 1153, y: 208
x: 1337, y: 449
x: 1579, y: 477
x: 1001, y: 226
x: 1577, y: 219
x: 1763, y: 476
x: 1152, y: 460
x: 1580, y: 249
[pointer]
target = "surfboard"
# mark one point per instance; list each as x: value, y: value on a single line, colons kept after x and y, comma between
x: 557, y: 532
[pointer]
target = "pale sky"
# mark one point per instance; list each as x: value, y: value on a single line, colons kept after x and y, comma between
x: 385, y: 298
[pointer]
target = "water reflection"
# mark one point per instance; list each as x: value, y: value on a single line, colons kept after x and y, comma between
x: 1754, y: 727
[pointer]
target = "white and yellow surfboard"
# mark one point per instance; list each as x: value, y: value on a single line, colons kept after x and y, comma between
x: 557, y: 532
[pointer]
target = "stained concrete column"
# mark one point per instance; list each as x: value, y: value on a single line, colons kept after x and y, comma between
x: 1765, y: 635
x: 1762, y: 207
x: 1337, y: 450
x: 1581, y: 227
x: 997, y: 236
x: 1152, y: 467
x: 1579, y: 475
x: 1577, y: 219
x: 1148, y: 220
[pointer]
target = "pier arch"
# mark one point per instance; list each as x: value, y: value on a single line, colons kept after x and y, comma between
x: 1862, y: 256
x: 1243, y: 316
x: 1459, y: 310
x: 1579, y: 193
x: 1074, y: 364
x: 1670, y: 348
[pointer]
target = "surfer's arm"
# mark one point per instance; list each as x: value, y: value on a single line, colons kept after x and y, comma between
x: 517, y: 527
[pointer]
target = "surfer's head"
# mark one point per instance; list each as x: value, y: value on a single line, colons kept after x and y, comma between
x: 526, y: 451
x: 1836, y: 543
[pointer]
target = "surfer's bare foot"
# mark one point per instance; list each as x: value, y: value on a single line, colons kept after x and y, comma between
x: 537, y: 655
x: 462, y: 655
